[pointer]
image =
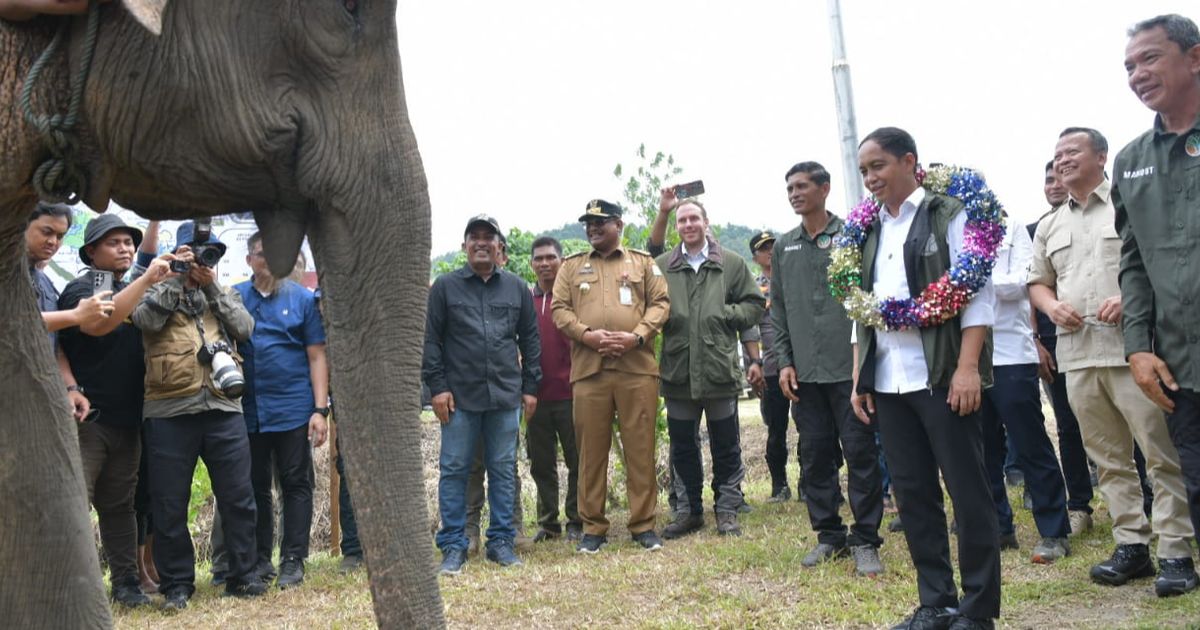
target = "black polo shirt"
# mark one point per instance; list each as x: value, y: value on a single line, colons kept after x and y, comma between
x: 111, y: 369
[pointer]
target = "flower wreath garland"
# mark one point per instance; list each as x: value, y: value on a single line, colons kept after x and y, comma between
x: 942, y: 300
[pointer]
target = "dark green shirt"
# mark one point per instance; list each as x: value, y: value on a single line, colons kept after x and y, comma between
x: 809, y: 323
x: 1156, y: 193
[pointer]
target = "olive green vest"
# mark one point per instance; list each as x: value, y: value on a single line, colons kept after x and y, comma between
x: 940, y: 343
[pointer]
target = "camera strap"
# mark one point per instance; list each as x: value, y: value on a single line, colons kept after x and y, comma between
x: 197, y: 316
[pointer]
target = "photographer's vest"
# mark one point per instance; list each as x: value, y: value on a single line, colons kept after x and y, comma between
x: 939, y: 343
x: 172, y: 368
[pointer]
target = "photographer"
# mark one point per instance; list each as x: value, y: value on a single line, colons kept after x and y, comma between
x: 190, y: 326
x: 104, y: 355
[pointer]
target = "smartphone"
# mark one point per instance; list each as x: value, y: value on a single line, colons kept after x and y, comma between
x: 101, y: 281
x: 690, y: 189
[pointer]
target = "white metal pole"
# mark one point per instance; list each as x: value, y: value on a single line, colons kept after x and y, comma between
x: 844, y: 96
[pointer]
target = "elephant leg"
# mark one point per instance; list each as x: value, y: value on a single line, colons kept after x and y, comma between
x: 51, y: 568
x: 374, y: 271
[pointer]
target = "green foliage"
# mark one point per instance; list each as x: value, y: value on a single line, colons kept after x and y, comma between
x: 201, y: 494
x: 642, y: 194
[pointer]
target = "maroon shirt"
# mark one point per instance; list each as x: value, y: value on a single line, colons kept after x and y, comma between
x: 556, y: 352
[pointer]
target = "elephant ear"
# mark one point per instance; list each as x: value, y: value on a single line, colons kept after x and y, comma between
x: 148, y: 13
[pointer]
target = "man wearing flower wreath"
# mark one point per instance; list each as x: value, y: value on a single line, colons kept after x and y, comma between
x: 1074, y: 280
x: 815, y: 375
x: 921, y: 362
x: 1156, y: 194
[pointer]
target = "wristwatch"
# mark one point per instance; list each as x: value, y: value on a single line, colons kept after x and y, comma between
x: 758, y: 362
x: 641, y: 341
x: 74, y: 388
x: 324, y: 411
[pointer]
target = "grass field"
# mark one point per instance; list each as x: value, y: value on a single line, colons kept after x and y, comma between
x: 754, y: 581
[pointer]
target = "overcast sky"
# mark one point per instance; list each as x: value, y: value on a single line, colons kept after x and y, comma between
x: 522, y: 109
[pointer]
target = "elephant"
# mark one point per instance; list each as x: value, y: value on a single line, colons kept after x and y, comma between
x: 291, y: 109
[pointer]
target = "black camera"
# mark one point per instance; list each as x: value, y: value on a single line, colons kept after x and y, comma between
x: 207, y: 255
x: 225, y: 371
x: 180, y: 266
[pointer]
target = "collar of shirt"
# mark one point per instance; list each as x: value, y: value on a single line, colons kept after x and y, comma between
x: 467, y: 272
x: 619, y: 251
x: 832, y: 227
x: 907, y: 209
x: 697, y: 259
x: 1101, y: 194
x: 1160, y: 131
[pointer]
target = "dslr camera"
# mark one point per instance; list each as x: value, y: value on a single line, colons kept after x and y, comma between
x: 225, y: 371
x: 204, y: 253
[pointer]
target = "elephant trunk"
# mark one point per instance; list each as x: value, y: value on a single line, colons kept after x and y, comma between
x: 373, y: 264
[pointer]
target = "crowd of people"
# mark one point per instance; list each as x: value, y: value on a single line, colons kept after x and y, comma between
x: 921, y: 374
x: 170, y: 367
x: 930, y: 387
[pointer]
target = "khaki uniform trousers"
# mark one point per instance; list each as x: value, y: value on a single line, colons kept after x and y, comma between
x: 634, y: 400
x: 1112, y: 413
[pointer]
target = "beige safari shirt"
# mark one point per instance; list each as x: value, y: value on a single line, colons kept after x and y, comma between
x: 588, y: 294
x: 1077, y: 252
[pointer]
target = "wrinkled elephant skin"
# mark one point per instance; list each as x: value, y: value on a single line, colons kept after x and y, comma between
x: 293, y: 109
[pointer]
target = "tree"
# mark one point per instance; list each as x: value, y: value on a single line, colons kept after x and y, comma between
x: 642, y: 194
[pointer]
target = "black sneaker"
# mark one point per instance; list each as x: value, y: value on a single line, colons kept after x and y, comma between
x: 968, y: 623
x: 781, y: 495
x: 823, y: 552
x: 684, y: 524
x: 1127, y: 562
x: 252, y: 588
x: 129, y: 594
x: 574, y: 532
x: 176, y: 599
x: 648, y: 540
x: 502, y: 554
x: 291, y: 572
x: 928, y: 618
x: 265, y: 571
x: 591, y: 544
x: 350, y: 563
x: 1176, y: 576
x: 452, y: 561
x: 218, y: 578
x: 744, y: 508
x: 1009, y: 541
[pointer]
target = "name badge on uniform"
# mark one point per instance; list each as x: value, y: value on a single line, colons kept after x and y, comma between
x: 625, y: 295
x: 791, y: 248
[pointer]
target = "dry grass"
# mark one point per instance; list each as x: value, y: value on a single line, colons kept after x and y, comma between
x: 750, y: 582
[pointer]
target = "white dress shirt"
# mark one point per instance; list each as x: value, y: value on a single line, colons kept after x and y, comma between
x: 697, y: 259
x: 900, y: 365
x: 1013, y: 334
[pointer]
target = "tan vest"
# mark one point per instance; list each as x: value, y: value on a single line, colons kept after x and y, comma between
x: 172, y: 368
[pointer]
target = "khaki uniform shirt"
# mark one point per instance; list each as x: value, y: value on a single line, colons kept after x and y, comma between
x: 1077, y: 252
x: 624, y: 291
x: 1156, y: 193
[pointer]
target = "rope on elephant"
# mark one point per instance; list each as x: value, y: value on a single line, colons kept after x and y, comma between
x: 61, y: 178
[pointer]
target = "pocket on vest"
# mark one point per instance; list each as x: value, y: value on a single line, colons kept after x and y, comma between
x: 173, y: 368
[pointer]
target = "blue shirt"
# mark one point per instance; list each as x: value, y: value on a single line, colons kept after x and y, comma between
x: 279, y: 394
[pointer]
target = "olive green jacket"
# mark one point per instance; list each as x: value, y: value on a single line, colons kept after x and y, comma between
x: 1156, y: 194
x: 708, y: 310
x: 940, y: 343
